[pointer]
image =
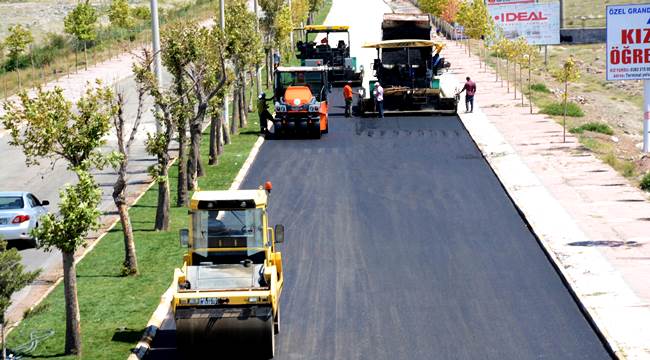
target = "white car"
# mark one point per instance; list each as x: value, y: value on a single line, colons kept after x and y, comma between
x: 19, y: 214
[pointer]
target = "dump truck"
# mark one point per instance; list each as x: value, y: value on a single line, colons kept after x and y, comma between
x: 300, y: 94
x: 227, y: 298
x: 342, y: 66
x: 407, y: 65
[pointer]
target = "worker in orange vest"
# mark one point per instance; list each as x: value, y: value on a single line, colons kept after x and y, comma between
x: 347, y: 95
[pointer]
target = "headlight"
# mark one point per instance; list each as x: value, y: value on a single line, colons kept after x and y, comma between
x: 280, y: 108
x: 314, y: 108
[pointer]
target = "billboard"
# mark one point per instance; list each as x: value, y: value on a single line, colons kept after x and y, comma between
x: 538, y: 23
x: 628, y: 42
x: 505, y: 2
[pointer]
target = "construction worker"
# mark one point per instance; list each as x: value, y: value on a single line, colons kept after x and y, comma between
x: 263, y: 112
x: 378, y: 92
x: 347, y: 95
x: 470, y: 91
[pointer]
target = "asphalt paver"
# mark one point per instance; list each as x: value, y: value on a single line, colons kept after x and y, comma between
x: 402, y: 244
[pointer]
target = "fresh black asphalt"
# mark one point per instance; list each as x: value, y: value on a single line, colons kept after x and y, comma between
x: 402, y: 244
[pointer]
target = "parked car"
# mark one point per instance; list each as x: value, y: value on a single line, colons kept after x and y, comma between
x: 19, y: 214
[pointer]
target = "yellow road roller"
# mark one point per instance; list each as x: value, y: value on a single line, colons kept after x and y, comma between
x: 228, y: 290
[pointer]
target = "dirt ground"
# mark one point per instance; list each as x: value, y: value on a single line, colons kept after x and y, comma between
x: 46, y: 16
x: 617, y: 103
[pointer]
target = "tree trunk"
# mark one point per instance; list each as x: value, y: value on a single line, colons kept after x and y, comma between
x: 521, y: 86
x: 226, y: 133
x: 530, y: 89
x: 243, y: 108
x: 508, y: 75
x: 182, y: 199
x: 215, y: 124
x: 119, y: 197
x: 193, y: 162
x: 243, y: 123
x: 566, y: 96
x: 514, y: 83
x: 130, y: 259
x: 72, y: 317
x: 235, y: 112
x: 85, y: 56
x: 162, y: 210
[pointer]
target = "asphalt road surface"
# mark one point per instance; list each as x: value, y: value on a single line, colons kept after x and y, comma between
x: 402, y: 244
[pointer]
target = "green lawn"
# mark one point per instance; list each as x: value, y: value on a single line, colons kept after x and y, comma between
x: 115, y: 309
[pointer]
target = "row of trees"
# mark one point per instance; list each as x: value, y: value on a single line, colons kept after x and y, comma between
x: 207, y: 67
x: 479, y: 25
x: 82, y: 23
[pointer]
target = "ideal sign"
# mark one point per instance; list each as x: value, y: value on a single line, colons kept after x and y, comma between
x: 504, y: 2
x: 628, y: 42
x: 538, y: 23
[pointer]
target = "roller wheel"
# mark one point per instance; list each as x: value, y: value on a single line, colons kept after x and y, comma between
x: 267, y: 344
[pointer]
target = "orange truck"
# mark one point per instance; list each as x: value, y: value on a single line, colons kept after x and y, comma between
x: 300, y: 94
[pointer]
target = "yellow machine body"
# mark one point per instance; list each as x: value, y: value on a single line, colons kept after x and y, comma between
x: 228, y: 289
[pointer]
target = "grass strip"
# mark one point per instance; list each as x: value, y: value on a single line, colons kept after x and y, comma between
x: 115, y: 309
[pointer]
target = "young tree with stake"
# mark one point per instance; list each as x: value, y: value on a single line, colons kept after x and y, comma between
x: 81, y: 22
x: 16, y: 43
x: 569, y: 72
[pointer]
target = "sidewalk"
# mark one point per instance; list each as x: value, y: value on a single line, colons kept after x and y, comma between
x: 611, y: 238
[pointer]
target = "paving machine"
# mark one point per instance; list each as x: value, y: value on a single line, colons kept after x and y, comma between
x: 342, y: 67
x: 407, y: 65
x: 300, y: 94
x: 228, y: 290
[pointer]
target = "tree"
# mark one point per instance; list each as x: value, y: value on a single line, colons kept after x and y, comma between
x: 16, y: 43
x: 433, y: 7
x: 476, y: 19
x: 47, y: 126
x: 314, y: 6
x: 569, y: 72
x: 119, y: 13
x: 450, y: 10
x: 244, y: 50
x: 13, y: 277
x: 81, y: 22
x: 67, y: 231
x: 277, y: 25
x: 157, y: 144
x: 195, y: 57
x: 130, y: 264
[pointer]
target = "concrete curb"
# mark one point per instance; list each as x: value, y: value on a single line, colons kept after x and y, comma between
x: 616, y: 313
x: 164, y: 308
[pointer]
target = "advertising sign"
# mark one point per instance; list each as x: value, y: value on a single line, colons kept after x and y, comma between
x: 538, y: 23
x: 628, y: 42
x: 505, y: 2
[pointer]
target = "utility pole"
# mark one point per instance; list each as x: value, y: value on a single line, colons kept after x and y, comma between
x: 222, y: 19
x: 155, y: 39
x: 258, y: 79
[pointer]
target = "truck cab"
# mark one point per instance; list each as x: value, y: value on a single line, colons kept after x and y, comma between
x: 301, y: 94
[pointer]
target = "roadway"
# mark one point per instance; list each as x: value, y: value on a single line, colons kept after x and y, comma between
x: 402, y: 244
